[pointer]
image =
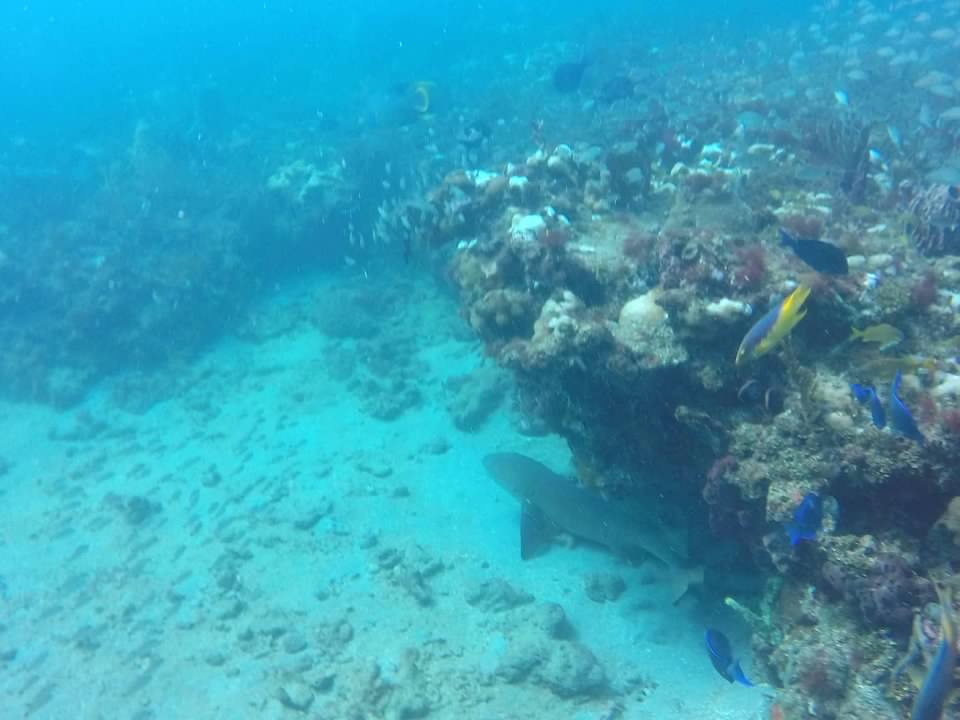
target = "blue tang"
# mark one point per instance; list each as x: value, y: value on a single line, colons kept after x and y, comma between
x: 721, y: 655
x: 867, y: 394
x: 935, y: 691
x: 807, y: 519
x: 901, y: 421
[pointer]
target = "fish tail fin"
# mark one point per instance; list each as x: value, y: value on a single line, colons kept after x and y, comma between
x: 682, y: 580
x: 857, y: 334
x: 792, y: 311
x: 786, y: 239
x: 948, y: 624
x: 794, y: 535
x: 740, y: 676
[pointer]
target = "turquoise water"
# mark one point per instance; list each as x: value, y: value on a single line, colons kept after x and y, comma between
x: 247, y: 390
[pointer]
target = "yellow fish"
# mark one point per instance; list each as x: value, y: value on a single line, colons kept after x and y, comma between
x: 884, y: 334
x: 884, y: 368
x: 421, y: 90
x: 774, y: 326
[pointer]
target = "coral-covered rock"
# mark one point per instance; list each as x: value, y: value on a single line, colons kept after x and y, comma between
x: 534, y: 646
x: 473, y: 397
x: 945, y: 533
x: 643, y: 328
x: 563, y: 332
x: 884, y: 586
x: 503, y: 314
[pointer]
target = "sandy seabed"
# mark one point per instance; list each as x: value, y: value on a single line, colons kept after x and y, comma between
x: 257, y: 546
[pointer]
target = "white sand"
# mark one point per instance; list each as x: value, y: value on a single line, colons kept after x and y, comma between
x: 200, y: 609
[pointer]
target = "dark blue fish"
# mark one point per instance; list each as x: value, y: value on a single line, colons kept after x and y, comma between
x: 822, y: 256
x: 721, y: 655
x: 867, y: 394
x: 567, y: 76
x: 807, y: 519
x: 901, y: 421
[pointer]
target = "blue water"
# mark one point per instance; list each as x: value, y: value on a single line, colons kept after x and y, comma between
x: 76, y: 69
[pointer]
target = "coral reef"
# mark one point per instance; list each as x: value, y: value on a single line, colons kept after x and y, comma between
x: 583, y: 304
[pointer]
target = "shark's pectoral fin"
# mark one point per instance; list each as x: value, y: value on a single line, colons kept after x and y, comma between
x: 535, y: 530
x: 682, y: 579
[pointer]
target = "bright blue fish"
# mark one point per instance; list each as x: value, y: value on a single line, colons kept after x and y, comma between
x: 894, y: 134
x: 901, y: 421
x: 867, y: 394
x: 807, y: 519
x: 862, y: 393
x: 721, y: 655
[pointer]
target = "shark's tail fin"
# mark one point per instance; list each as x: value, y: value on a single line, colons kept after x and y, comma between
x: 682, y: 579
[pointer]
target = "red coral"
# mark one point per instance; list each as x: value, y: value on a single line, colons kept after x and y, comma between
x: 951, y: 421
x: 720, y: 467
x: 804, y: 226
x: 637, y: 245
x: 924, y: 293
x: 555, y: 238
x: 751, y: 270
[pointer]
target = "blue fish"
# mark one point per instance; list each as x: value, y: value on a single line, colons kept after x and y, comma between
x: 862, y: 392
x: 895, y: 137
x: 721, y: 655
x: 877, y: 158
x: 822, y: 256
x: 901, y: 421
x: 935, y: 691
x: 807, y: 519
x: 867, y: 394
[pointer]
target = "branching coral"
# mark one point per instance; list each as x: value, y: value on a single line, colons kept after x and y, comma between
x: 935, y: 223
x: 843, y: 139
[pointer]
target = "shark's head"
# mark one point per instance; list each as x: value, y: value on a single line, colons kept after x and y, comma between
x: 508, y: 470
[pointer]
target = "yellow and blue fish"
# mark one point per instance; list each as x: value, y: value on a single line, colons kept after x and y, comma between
x: 937, y: 686
x: 774, y: 326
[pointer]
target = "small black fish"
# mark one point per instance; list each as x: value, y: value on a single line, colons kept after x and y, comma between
x: 616, y: 88
x: 753, y: 392
x: 822, y: 256
x: 567, y: 76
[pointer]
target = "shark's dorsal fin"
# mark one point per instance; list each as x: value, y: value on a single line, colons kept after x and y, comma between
x: 535, y: 530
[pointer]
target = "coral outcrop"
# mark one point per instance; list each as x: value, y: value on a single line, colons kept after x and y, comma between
x: 621, y: 332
